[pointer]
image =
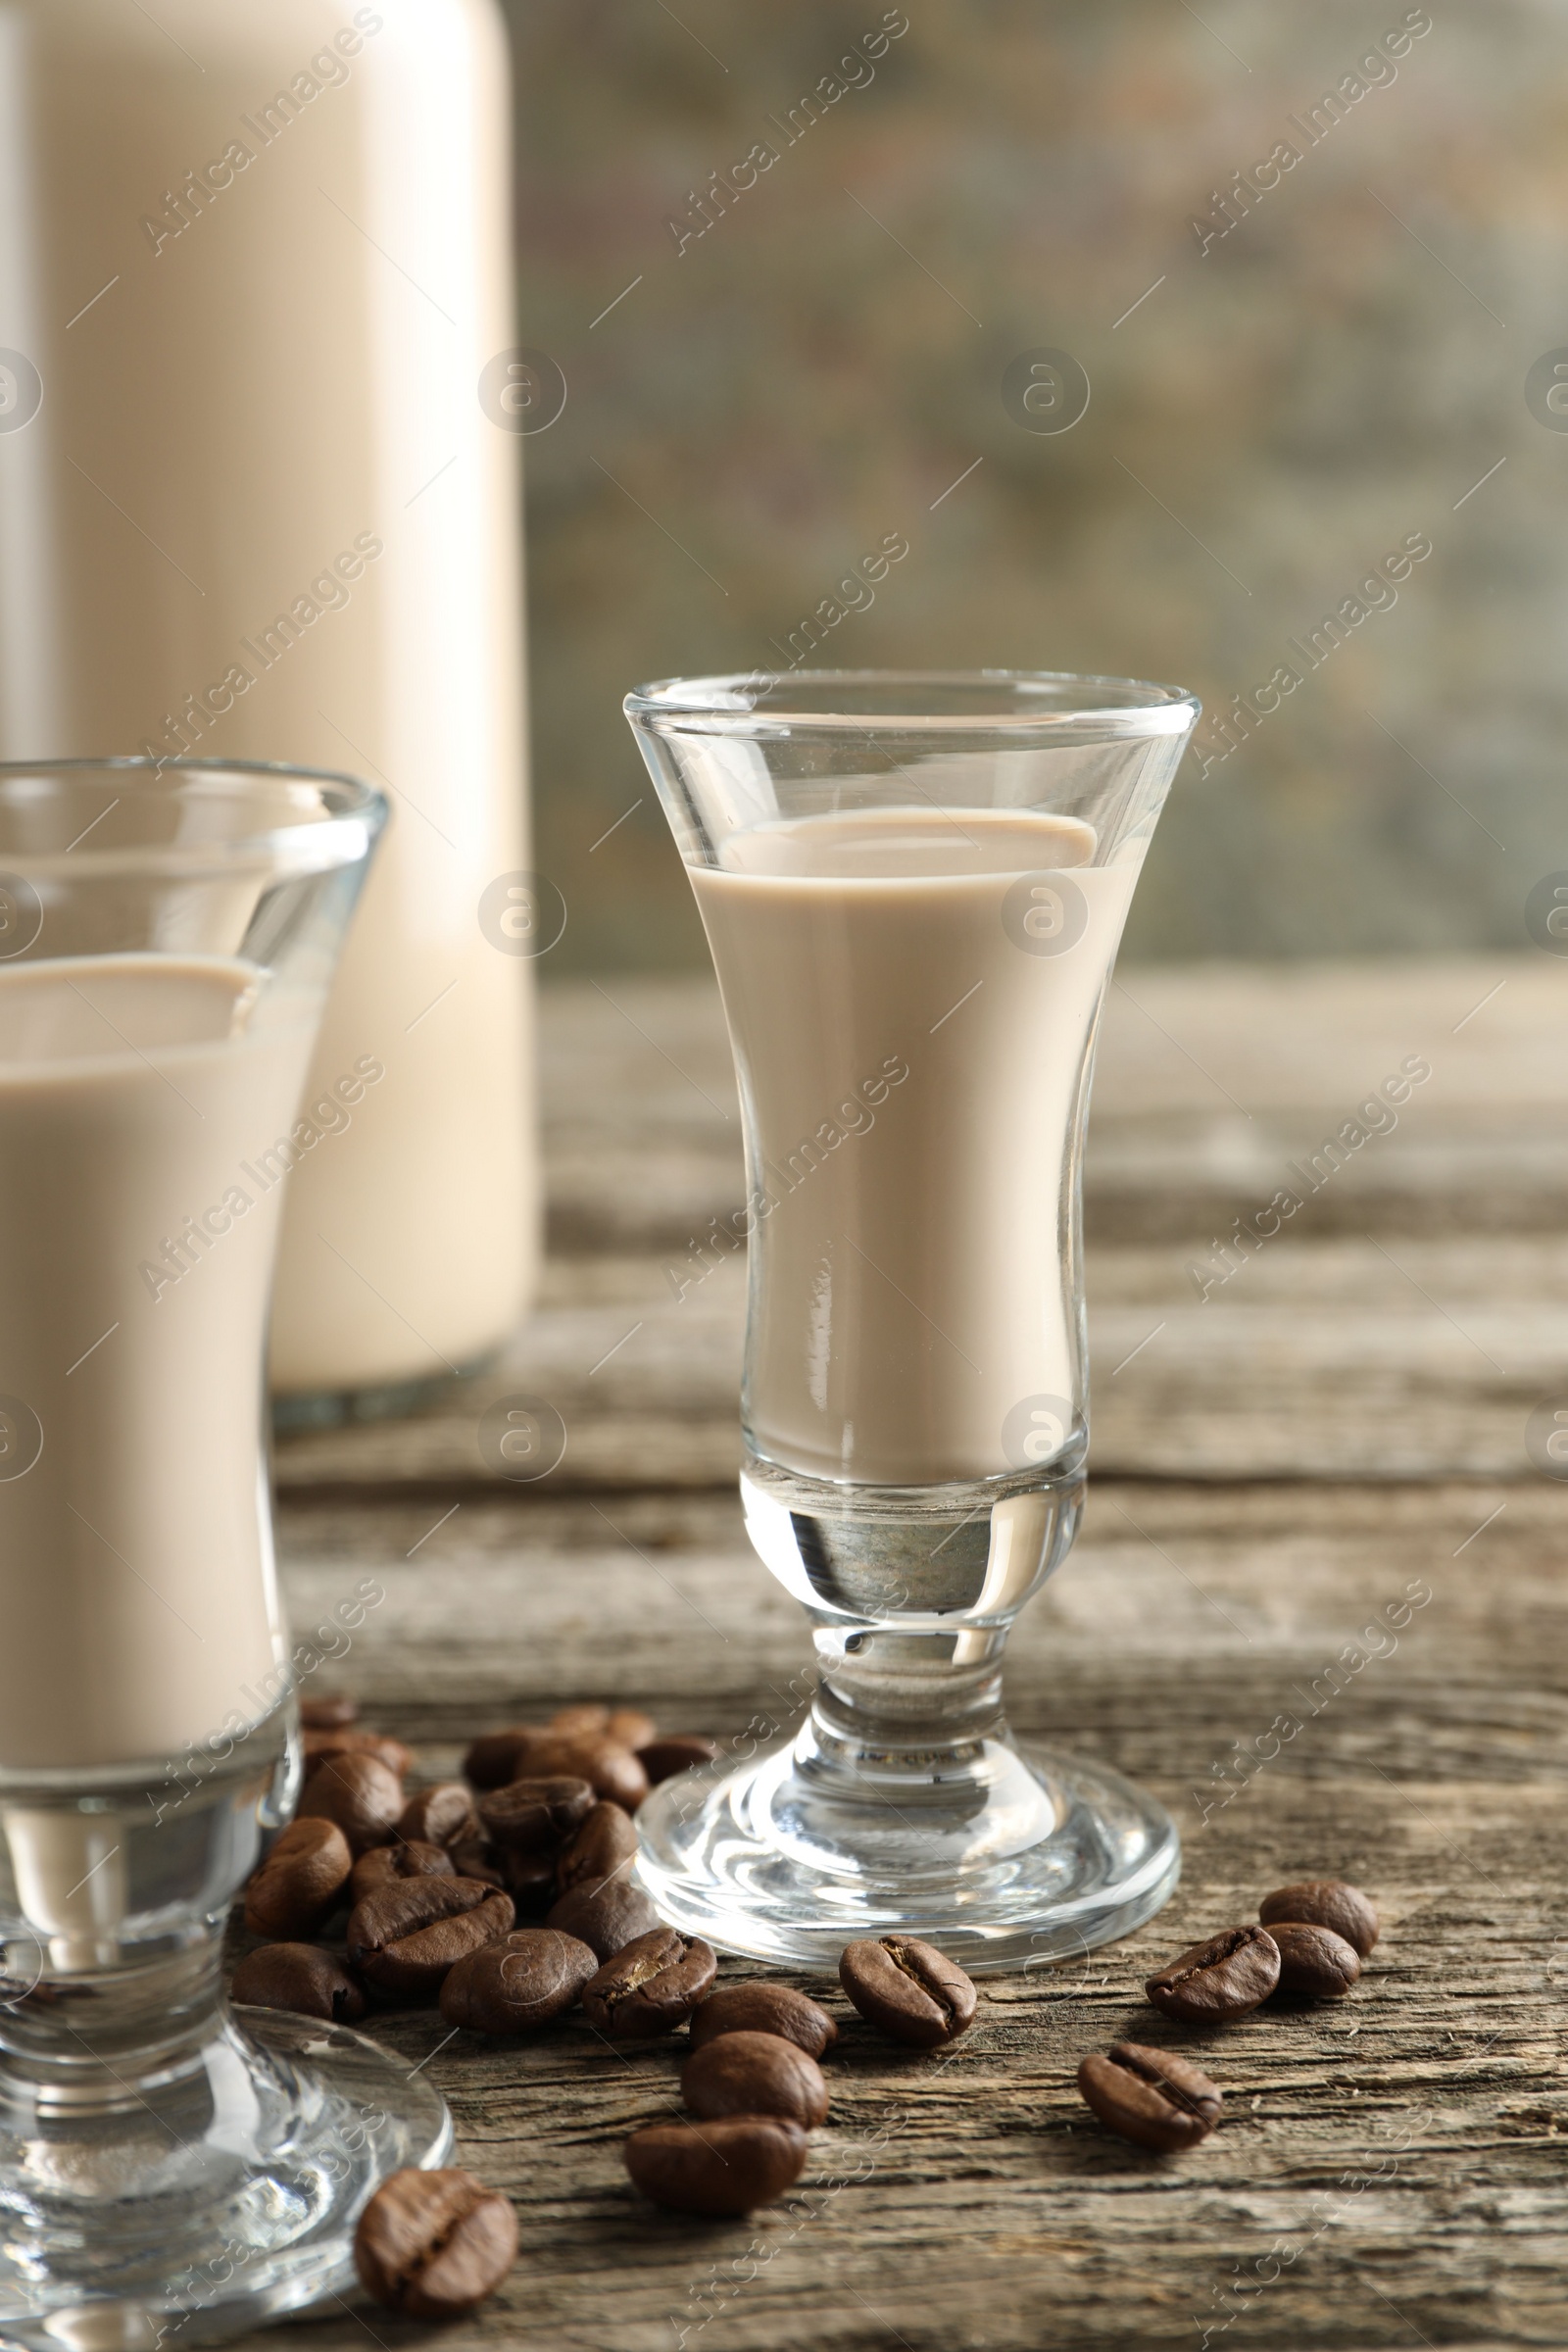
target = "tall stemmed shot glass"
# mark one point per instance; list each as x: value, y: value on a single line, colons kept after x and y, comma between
x: 167, y: 2169
x: 913, y: 888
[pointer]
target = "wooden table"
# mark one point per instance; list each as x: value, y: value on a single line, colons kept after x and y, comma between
x: 1337, y: 1429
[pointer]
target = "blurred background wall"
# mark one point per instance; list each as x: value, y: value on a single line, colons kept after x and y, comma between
x: 1307, y: 259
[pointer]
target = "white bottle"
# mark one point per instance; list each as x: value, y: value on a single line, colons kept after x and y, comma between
x: 254, y: 264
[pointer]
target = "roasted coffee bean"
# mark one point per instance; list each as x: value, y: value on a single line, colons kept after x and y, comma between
x: 585, y: 1720
x: 1325, y: 1903
x: 764, y: 2008
x: 604, y: 1847
x: 612, y: 1771
x: 406, y: 1858
x: 476, y: 1858
x: 725, y: 2167
x: 753, y: 2074
x: 360, y: 1795
x: 661, y: 1759
x: 500, y: 1757
x: 529, y: 1879
x: 318, y: 1747
x: 651, y: 1985
x: 629, y: 1727
x: 440, y: 1816
x: 1224, y: 1978
x: 909, y: 1989
x: 1314, y: 1959
x: 435, y: 2244
x: 537, y: 1815
x: 406, y: 1936
x: 327, y: 1711
x: 301, y: 1882
x: 518, y: 1985
x: 298, y: 1976
x: 605, y: 1917
x: 1150, y: 2096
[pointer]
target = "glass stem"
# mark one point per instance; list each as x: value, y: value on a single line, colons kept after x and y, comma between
x: 917, y: 1704
x: 107, y: 2039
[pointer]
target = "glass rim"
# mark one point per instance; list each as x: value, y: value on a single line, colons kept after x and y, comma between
x: 741, y: 702
x: 357, y: 811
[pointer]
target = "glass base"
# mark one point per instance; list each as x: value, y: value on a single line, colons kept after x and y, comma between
x: 222, y: 2199
x: 1017, y: 1857
x: 294, y: 1409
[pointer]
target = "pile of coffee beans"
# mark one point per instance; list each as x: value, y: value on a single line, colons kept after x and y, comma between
x: 429, y: 1888
x: 433, y: 1885
x: 753, y: 2082
x: 754, y: 2086
x: 434, y: 1882
x: 1311, y: 1938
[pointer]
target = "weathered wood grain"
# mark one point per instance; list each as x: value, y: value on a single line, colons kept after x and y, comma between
x: 518, y: 1606
x: 1390, y: 2166
x: 1403, y: 1323
x: 1210, y: 1081
x: 1324, y: 1357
